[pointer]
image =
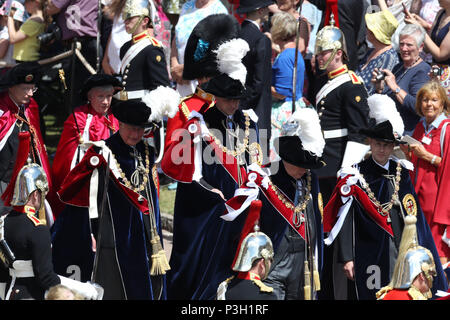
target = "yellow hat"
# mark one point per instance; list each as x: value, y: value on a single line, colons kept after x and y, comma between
x: 382, y: 24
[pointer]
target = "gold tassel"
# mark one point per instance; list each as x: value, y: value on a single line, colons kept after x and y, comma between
x: 316, y: 280
x: 159, y: 259
x: 164, y: 261
x: 307, y: 287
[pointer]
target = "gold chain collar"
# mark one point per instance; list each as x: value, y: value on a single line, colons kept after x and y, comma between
x: 384, y: 209
x: 145, y: 172
x: 299, y: 209
x: 240, y: 147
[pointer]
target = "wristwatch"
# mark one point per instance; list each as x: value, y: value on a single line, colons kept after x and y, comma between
x: 397, y: 90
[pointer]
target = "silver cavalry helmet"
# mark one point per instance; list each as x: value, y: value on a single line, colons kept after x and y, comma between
x: 30, y: 178
x: 330, y: 38
x: 137, y: 8
x: 256, y: 245
x: 417, y: 260
x: 412, y: 259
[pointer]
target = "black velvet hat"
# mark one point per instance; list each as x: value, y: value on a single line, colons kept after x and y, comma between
x: 133, y: 112
x: 382, y: 131
x: 99, y: 80
x: 225, y: 87
x: 246, y: 6
x: 25, y: 72
x: 385, y: 124
x: 207, y: 35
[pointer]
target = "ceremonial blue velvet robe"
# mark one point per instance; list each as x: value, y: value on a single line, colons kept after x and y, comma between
x: 204, y: 245
x: 373, y: 250
x: 124, y: 266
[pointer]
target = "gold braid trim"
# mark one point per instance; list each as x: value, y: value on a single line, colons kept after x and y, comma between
x: 416, y: 294
x: 185, y: 110
x: 262, y: 287
x: 382, y: 292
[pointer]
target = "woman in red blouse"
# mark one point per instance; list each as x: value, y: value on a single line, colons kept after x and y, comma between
x: 431, y: 175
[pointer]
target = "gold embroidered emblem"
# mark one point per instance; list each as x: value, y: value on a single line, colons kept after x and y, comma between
x: 158, y: 58
x: 358, y: 98
x: 123, y: 95
x: 409, y: 203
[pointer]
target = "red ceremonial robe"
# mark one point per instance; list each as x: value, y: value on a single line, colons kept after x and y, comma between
x: 8, y: 112
x: 432, y: 184
x: 93, y: 127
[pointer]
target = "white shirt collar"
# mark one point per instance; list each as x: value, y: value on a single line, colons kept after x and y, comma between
x: 435, y: 124
x: 386, y: 166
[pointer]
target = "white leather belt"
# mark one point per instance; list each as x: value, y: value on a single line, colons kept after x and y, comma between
x: 126, y: 95
x: 20, y: 269
x: 337, y: 133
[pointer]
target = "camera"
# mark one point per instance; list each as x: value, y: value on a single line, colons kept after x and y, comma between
x: 380, y: 76
x: 53, y: 33
x: 436, y: 71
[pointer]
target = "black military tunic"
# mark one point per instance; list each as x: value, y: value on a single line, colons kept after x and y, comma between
x: 343, y: 111
x: 148, y: 69
x: 29, y: 240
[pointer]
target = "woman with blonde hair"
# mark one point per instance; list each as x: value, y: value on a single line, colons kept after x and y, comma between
x: 431, y: 175
x: 283, y: 33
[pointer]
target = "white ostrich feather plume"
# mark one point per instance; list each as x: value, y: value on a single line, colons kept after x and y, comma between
x: 229, y: 58
x: 163, y: 101
x: 309, y: 130
x: 383, y: 108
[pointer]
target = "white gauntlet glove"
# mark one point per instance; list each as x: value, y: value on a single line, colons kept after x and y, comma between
x: 91, y: 291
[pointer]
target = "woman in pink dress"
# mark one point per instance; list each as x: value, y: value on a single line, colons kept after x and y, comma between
x: 431, y: 175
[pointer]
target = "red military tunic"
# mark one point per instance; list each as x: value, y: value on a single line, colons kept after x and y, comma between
x: 93, y: 127
x: 398, y: 294
x: 432, y: 184
x: 195, y: 102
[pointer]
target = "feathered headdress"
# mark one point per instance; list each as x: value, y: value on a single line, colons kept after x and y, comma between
x: 301, y: 142
x: 383, y: 108
x: 163, y: 101
x: 229, y: 58
x: 308, y: 130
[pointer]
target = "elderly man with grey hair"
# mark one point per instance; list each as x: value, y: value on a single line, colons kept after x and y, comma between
x: 407, y: 77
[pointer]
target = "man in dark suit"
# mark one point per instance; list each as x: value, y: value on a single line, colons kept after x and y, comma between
x: 259, y: 66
